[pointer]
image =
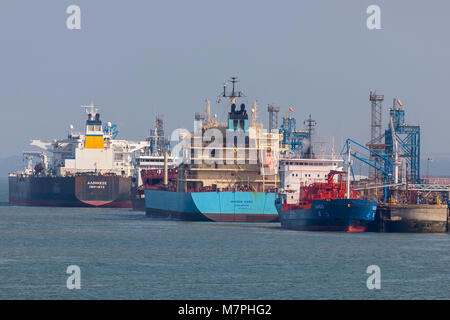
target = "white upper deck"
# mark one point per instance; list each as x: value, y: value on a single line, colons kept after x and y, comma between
x: 296, y: 173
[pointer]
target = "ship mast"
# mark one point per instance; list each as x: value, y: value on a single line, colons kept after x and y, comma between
x: 234, y: 94
x: 91, y: 110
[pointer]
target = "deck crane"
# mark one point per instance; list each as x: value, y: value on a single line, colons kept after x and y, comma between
x: 388, y: 169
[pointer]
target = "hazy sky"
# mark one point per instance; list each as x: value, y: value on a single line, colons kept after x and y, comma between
x: 138, y: 58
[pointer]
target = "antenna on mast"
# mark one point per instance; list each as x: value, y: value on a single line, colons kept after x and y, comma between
x: 91, y: 109
x: 234, y: 93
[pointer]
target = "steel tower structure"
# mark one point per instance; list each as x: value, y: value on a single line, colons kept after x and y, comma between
x: 408, y: 137
x: 292, y: 138
x: 158, y: 142
x: 273, y: 117
x: 310, y: 124
x: 376, y: 137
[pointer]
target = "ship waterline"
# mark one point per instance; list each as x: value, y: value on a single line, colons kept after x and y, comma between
x: 90, y: 170
x: 207, y: 188
x: 76, y: 191
x: 224, y: 206
x: 350, y: 215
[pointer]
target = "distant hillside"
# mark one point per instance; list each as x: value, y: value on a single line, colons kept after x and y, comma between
x: 10, y: 164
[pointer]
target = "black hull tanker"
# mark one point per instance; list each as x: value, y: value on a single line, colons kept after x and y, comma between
x: 90, y: 170
x: 77, y: 191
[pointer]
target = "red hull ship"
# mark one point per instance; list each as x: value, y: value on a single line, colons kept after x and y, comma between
x: 327, y: 206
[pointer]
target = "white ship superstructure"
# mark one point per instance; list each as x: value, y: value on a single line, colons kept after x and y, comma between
x: 96, y: 151
x: 151, y: 157
x: 145, y: 161
x: 296, y: 173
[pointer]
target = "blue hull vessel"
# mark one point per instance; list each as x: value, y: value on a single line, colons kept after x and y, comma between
x: 352, y: 215
x: 223, y: 206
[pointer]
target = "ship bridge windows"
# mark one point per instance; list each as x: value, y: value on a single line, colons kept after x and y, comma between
x: 94, y: 128
x: 312, y: 163
x: 151, y: 160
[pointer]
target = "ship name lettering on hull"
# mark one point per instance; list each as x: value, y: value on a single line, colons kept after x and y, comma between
x: 97, y: 184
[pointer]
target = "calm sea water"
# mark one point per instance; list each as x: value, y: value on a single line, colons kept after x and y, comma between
x: 124, y: 255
